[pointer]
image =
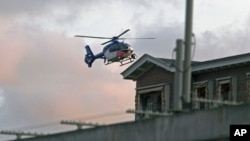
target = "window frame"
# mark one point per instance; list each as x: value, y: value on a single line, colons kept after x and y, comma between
x: 219, y: 83
x: 164, y: 95
x: 197, y: 85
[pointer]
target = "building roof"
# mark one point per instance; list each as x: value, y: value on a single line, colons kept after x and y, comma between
x: 146, y: 62
x: 221, y: 63
x: 143, y: 64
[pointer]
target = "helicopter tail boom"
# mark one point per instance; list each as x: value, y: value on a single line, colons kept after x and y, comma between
x: 89, y: 57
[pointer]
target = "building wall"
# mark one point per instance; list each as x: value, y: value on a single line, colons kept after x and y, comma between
x: 239, y: 73
x: 240, y: 83
x: 154, y: 76
x: 157, y: 75
x: 211, y: 125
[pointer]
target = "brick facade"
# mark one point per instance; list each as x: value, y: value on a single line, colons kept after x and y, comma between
x: 155, y: 75
x: 238, y: 72
x: 214, y: 83
x: 158, y: 75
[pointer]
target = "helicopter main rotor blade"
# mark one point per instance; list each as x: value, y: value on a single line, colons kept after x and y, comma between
x: 97, y: 37
x: 136, y: 38
x: 113, y: 38
x: 107, y: 42
x: 122, y: 33
x: 126, y: 38
x: 116, y: 37
x: 93, y: 37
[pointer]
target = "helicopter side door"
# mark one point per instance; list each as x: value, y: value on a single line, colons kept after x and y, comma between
x: 111, y: 52
x: 115, y: 52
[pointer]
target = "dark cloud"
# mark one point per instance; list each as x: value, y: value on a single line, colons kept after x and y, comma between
x: 211, y: 44
x: 162, y: 45
x: 47, y: 13
x: 222, y: 42
x: 41, y: 6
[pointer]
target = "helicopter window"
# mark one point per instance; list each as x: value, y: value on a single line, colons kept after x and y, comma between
x: 127, y: 45
x: 112, y: 48
x: 119, y: 47
x: 124, y: 46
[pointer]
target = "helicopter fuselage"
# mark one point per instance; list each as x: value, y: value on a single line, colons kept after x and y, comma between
x: 117, y: 51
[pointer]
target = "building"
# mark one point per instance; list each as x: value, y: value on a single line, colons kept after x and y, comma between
x: 219, y: 80
x: 214, y: 82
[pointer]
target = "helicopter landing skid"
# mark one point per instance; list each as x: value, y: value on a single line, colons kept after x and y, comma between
x: 123, y: 62
x: 126, y: 61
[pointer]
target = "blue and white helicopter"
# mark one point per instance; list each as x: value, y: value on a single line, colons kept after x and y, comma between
x: 114, y: 52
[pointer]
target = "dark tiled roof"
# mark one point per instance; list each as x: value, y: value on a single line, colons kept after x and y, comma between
x: 146, y: 61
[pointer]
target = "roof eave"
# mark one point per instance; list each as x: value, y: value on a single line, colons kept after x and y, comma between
x: 144, y: 59
x: 221, y: 63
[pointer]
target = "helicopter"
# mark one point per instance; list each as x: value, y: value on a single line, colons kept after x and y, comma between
x: 115, y: 51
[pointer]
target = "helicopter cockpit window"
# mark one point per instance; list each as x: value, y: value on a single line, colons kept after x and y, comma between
x: 119, y: 46
x: 124, y: 46
x: 113, y: 48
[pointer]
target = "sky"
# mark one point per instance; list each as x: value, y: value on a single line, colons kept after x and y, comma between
x: 43, y: 78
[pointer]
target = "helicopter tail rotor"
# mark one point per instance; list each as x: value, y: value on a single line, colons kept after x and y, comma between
x: 89, y: 57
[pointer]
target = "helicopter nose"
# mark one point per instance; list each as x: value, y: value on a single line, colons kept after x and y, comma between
x: 130, y: 48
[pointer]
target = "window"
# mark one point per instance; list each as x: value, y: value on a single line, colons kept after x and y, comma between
x: 114, y: 48
x: 152, y: 98
x: 224, y: 89
x: 124, y: 46
x: 151, y: 101
x: 149, y: 104
x: 200, y: 92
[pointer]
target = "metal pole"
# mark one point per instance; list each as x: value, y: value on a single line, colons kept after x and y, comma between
x: 178, y: 86
x: 188, y: 42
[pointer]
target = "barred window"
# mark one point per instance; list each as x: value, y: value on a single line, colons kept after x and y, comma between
x: 224, y: 89
x: 152, y: 98
x: 151, y: 102
x: 200, y: 91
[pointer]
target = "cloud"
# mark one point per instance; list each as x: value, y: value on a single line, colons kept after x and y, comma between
x: 162, y: 45
x: 41, y: 6
x: 12, y: 49
x: 219, y: 41
x: 45, y: 79
x: 223, y: 41
x: 80, y: 17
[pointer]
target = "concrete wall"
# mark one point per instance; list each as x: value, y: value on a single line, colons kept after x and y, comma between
x: 211, y: 125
